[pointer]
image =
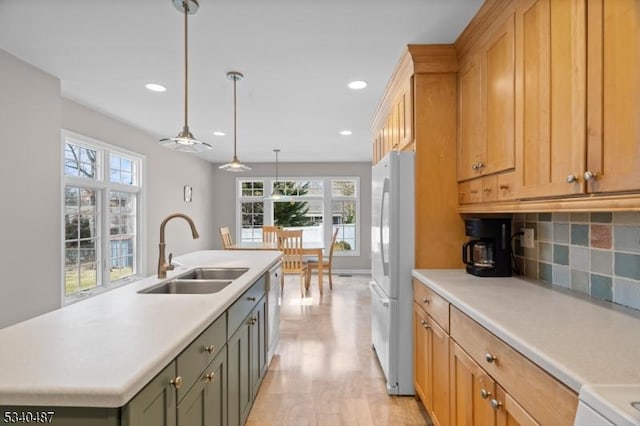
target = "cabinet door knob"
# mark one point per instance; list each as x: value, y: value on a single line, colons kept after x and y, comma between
x: 480, y: 165
x: 495, y: 404
x: 177, y: 382
x: 589, y: 175
x: 210, y: 376
x: 474, y: 166
x: 572, y: 178
x: 425, y: 300
x: 485, y: 393
x: 210, y: 349
x: 490, y: 358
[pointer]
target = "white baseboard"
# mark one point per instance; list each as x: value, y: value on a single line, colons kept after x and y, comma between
x: 348, y: 272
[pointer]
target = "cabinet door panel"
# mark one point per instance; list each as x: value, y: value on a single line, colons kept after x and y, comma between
x: 550, y: 96
x: 510, y: 412
x: 470, y: 119
x: 421, y: 356
x: 155, y: 404
x: 499, y: 64
x: 258, y: 345
x: 614, y: 95
x: 439, y: 374
x: 468, y: 381
x: 239, y: 379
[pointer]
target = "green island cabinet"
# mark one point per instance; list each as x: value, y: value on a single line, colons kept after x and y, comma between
x: 212, y: 382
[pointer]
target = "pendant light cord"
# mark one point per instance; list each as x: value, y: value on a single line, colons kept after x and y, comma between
x: 185, y: 5
x: 235, y: 80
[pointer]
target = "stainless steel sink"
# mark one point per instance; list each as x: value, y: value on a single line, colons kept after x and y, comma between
x: 215, y: 273
x: 188, y: 286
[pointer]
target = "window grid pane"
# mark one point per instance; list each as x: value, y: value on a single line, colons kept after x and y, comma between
x: 81, y: 239
x: 252, y: 189
x: 123, y: 170
x: 252, y: 221
x: 122, y: 234
x: 344, y: 218
x: 80, y: 161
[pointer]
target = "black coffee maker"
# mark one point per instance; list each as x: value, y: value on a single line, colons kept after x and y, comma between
x: 488, y: 252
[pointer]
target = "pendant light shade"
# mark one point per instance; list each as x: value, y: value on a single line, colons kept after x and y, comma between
x: 235, y: 165
x: 185, y: 141
x: 276, y: 194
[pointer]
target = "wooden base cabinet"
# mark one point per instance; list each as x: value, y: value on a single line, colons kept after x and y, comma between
x: 431, y: 354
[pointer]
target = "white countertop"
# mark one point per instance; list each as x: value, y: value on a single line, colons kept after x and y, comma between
x: 101, y: 351
x: 576, y: 340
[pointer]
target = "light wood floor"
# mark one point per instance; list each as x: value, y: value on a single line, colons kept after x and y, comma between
x: 325, y: 372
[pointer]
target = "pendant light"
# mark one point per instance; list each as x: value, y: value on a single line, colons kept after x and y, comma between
x: 185, y: 141
x: 234, y: 165
x: 276, y: 194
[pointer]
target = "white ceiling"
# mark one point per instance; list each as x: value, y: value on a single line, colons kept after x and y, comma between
x: 297, y: 57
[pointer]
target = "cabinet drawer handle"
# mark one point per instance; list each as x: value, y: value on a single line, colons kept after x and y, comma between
x: 487, y: 189
x: 425, y: 300
x: 210, y: 349
x: 490, y: 358
x: 177, y: 382
x: 504, y: 187
x: 474, y: 191
x: 251, y: 299
x: 495, y: 404
x: 485, y: 393
x: 210, y: 376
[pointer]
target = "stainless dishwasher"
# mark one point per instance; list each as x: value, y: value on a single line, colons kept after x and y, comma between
x: 273, y: 309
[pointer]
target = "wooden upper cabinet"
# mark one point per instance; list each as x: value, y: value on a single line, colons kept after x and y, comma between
x: 470, y: 144
x: 499, y: 68
x: 613, y: 110
x: 486, y: 103
x: 550, y: 97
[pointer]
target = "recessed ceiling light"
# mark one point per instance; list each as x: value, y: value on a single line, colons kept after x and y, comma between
x: 346, y: 132
x: 357, y: 84
x: 218, y: 133
x: 155, y: 87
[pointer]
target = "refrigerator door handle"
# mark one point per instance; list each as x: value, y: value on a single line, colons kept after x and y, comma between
x: 385, y: 192
x: 383, y: 300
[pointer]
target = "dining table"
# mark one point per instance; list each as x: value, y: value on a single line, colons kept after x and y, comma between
x: 309, y: 248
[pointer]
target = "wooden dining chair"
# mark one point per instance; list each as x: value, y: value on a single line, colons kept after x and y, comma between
x: 312, y: 262
x: 225, y: 234
x: 270, y: 234
x: 290, y: 243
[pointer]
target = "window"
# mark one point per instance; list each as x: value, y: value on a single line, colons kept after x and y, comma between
x: 102, y: 223
x: 315, y: 205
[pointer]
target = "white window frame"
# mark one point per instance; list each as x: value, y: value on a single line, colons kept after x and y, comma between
x: 102, y: 184
x: 327, y: 202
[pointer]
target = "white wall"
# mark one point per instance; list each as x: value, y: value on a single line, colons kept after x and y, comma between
x: 32, y: 114
x: 30, y: 172
x: 223, y: 191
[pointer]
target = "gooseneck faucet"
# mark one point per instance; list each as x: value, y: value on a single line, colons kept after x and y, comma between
x: 163, y: 266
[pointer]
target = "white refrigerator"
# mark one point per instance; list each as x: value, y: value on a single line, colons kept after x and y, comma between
x: 392, y: 259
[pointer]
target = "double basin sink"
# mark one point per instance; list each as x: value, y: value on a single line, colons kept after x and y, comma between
x: 198, y: 281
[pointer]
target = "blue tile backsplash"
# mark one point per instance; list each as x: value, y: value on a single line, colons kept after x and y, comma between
x: 595, y: 253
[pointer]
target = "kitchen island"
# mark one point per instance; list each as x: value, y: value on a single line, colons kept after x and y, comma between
x: 582, y: 343
x: 101, y: 352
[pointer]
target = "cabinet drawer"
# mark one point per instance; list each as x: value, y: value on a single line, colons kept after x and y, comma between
x: 195, y: 358
x: 507, y: 186
x: 245, y: 303
x: 545, y: 398
x: 434, y: 304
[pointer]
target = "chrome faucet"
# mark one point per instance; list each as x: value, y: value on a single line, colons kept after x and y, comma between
x: 163, y: 266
